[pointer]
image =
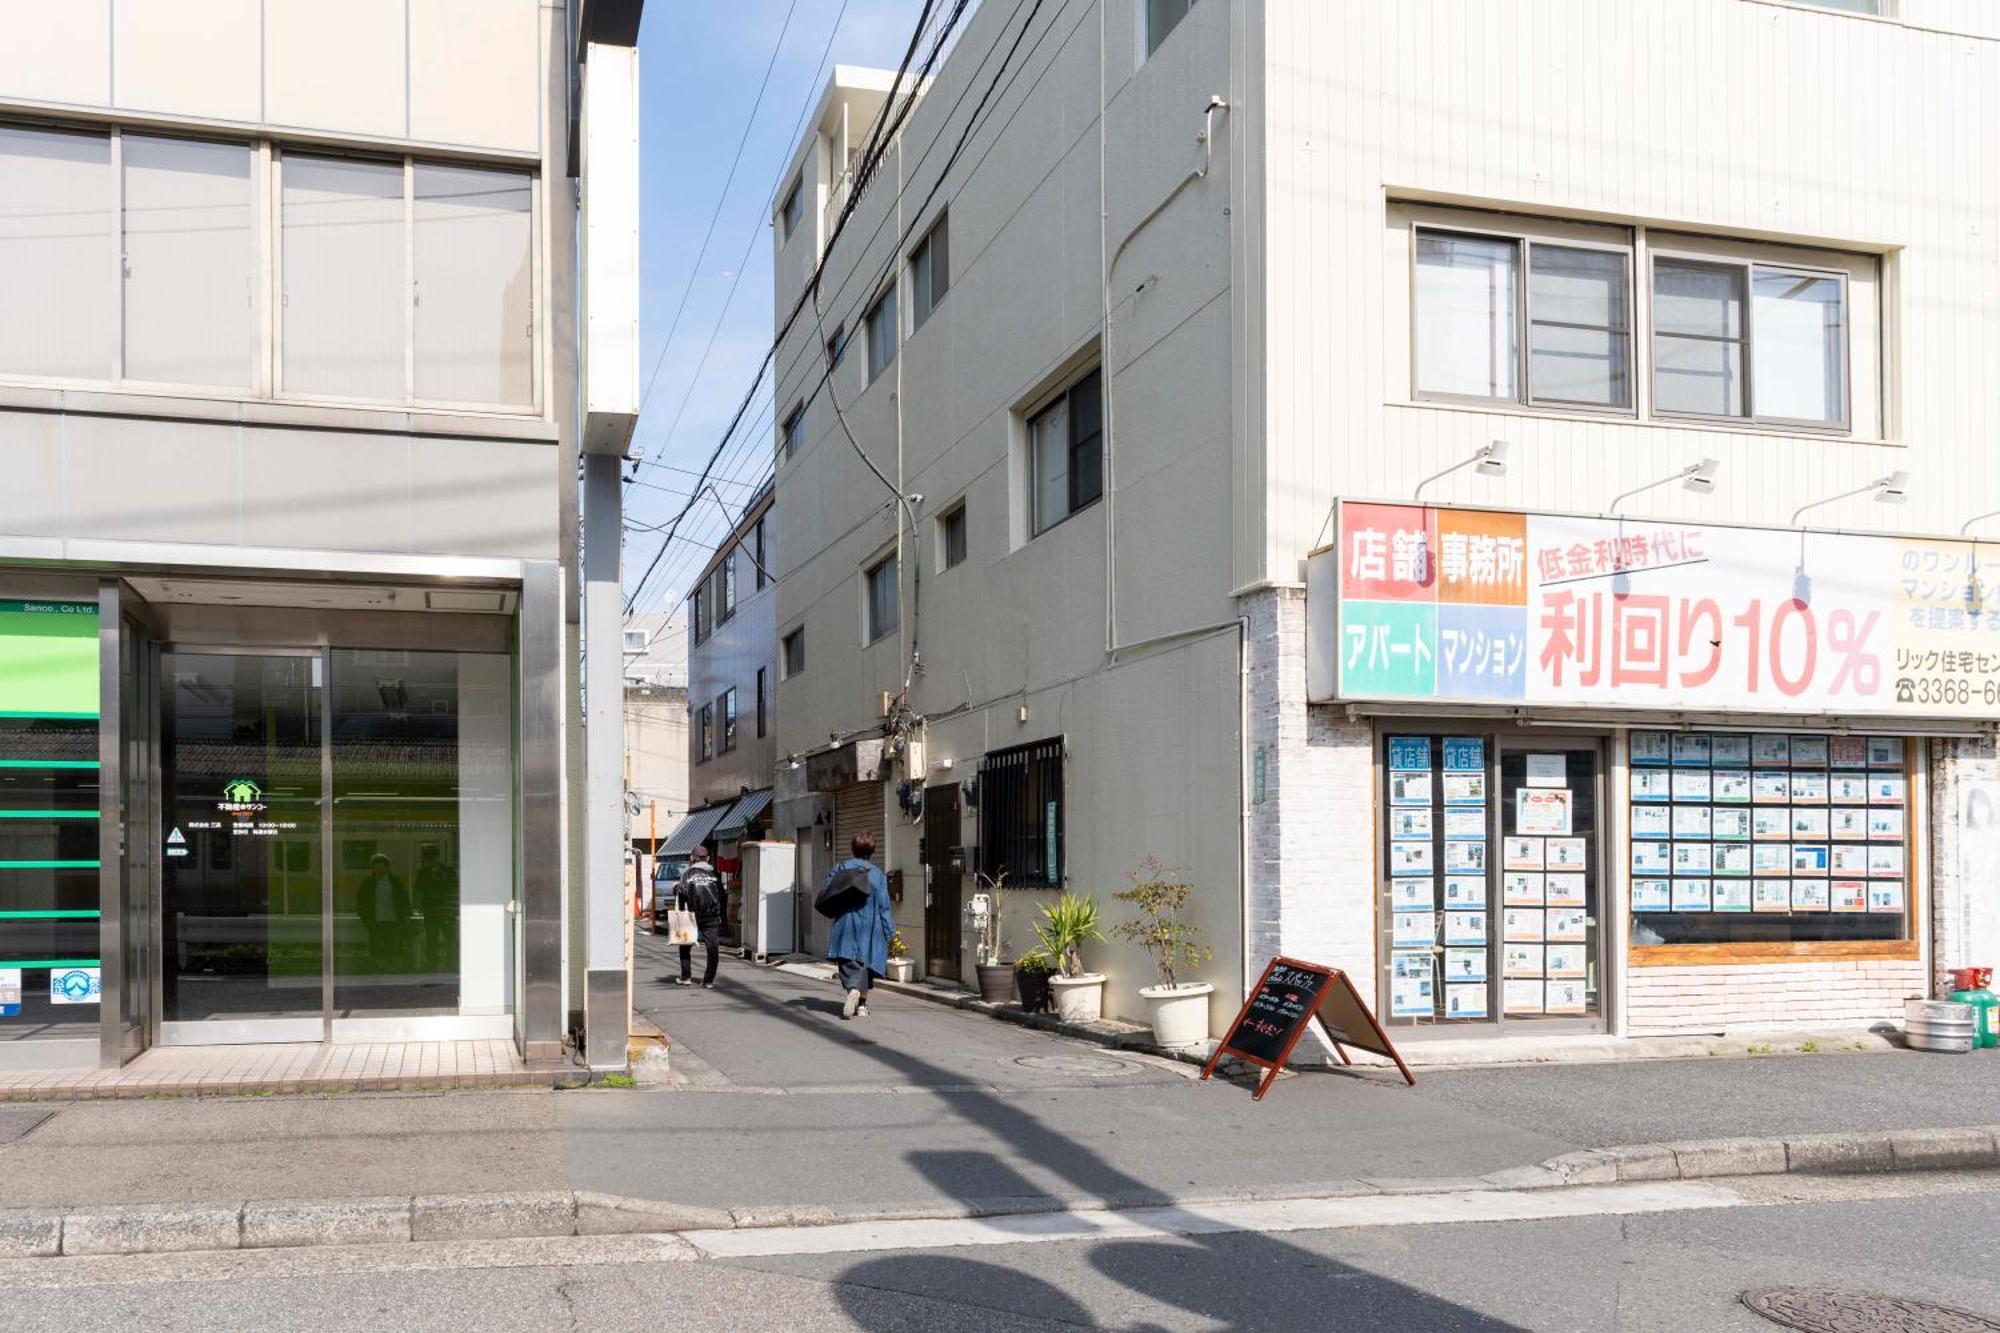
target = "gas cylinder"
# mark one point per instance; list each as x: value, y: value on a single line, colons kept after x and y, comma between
x: 1971, y: 985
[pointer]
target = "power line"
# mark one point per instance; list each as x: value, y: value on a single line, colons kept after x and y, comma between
x: 715, y: 214
x: 916, y: 38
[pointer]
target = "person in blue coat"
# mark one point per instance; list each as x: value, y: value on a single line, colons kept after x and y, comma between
x: 860, y: 944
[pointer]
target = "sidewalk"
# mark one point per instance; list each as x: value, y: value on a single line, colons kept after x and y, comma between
x: 261, y: 1070
x: 781, y: 1104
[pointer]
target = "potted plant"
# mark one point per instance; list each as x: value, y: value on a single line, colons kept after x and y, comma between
x: 1178, y: 1009
x: 1031, y: 978
x: 902, y: 967
x: 996, y: 974
x: 1067, y: 925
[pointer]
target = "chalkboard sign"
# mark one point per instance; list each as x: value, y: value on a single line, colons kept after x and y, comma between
x: 1290, y: 994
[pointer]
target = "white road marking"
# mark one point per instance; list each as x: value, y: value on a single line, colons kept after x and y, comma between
x: 1387, y: 1210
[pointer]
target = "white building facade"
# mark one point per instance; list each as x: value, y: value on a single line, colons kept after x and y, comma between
x: 1432, y: 290
x: 299, y: 370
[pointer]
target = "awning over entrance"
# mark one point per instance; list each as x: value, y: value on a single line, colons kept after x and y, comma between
x: 751, y: 806
x: 694, y: 830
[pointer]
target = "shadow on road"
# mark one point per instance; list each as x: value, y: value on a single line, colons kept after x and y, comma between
x: 1238, y: 1280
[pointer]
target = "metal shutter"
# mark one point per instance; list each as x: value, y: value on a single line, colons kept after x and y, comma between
x: 857, y: 808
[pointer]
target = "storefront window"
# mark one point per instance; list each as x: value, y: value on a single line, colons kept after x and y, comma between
x: 1768, y: 839
x: 49, y: 805
x: 1477, y: 933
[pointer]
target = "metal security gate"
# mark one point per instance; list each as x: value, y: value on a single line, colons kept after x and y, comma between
x: 857, y: 808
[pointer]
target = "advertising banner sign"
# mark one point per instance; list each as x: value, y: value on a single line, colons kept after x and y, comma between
x: 1489, y: 607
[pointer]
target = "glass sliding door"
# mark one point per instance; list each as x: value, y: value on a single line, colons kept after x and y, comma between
x: 243, y: 917
x: 422, y: 764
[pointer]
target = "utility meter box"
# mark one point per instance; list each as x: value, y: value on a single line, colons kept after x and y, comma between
x: 769, y: 900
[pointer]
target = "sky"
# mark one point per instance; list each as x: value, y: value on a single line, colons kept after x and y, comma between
x: 701, y: 65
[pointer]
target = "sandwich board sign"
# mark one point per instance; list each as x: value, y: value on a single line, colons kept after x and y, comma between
x: 1290, y: 994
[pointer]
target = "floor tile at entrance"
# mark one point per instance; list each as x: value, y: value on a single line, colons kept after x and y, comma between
x: 300, y: 1067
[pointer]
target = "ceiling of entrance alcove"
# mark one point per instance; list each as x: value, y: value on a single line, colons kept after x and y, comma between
x: 326, y: 596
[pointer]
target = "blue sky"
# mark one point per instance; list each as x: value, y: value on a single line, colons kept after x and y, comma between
x: 701, y: 62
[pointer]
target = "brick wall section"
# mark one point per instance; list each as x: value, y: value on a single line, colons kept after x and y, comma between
x: 1312, y: 838
x: 1662, y: 1000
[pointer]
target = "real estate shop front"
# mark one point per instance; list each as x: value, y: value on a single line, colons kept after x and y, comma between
x: 1654, y: 777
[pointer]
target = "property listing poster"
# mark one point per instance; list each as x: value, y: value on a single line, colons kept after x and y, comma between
x: 1437, y: 866
x: 1483, y: 606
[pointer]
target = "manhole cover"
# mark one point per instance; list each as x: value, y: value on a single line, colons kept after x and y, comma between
x: 1817, y: 1310
x: 1094, y: 1066
x: 15, y: 1124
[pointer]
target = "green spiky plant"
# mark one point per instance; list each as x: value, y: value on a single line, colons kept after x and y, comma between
x: 1067, y: 924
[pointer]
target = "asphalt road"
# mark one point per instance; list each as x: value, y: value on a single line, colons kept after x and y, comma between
x: 1675, y: 1272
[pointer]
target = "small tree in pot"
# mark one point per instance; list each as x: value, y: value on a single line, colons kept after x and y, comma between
x: 1067, y: 924
x: 1178, y: 1009
x: 1031, y: 978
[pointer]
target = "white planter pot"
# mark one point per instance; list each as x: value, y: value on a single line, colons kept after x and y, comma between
x: 1179, y: 1013
x: 1079, y: 999
x: 902, y: 969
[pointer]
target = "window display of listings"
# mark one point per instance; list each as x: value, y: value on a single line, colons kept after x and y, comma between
x: 1479, y: 933
x: 1776, y: 839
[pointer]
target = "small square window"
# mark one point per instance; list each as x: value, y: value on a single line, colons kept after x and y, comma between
x: 951, y: 537
x: 881, y: 610
x: 882, y: 333
x: 930, y: 272
x: 635, y: 641
x: 793, y: 656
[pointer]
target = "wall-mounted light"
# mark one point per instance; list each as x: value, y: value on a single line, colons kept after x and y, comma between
x: 1890, y: 490
x: 1696, y: 477
x: 1489, y: 460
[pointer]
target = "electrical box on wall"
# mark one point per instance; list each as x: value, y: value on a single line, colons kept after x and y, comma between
x: 913, y: 760
x: 884, y: 702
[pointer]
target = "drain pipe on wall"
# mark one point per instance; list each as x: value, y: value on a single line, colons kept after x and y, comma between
x: 1109, y: 261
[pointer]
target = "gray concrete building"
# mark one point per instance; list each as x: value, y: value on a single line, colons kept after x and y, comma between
x: 299, y: 369
x: 1491, y: 492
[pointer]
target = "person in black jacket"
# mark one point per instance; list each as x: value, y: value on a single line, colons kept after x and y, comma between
x: 700, y: 891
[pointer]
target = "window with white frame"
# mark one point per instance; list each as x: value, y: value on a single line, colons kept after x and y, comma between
x: 1732, y: 338
x: 1543, y: 313
x: 635, y: 641
x: 1474, y: 293
x: 882, y: 333
x: 930, y: 271
x: 792, y: 653
x: 879, y: 611
x: 137, y: 258
x: 1162, y: 17
x: 1066, y: 453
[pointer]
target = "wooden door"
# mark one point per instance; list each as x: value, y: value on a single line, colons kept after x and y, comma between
x: 944, y: 862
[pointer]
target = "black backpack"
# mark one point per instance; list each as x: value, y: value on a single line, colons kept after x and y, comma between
x: 844, y: 891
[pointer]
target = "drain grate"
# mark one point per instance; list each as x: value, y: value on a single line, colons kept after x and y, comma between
x: 1821, y: 1310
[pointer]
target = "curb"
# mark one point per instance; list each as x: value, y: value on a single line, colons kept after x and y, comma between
x: 1969, y: 1147
x: 124, y: 1229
